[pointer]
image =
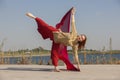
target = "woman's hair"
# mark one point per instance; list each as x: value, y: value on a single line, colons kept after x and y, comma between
x: 81, y: 44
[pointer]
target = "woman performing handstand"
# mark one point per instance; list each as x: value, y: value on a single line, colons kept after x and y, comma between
x: 61, y: 40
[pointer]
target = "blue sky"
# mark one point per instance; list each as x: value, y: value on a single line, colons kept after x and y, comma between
x: 98, y: 19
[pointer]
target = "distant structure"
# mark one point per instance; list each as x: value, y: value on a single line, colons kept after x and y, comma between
x: 2, y: 44
x: 1, y: 52
x: 110, y: 44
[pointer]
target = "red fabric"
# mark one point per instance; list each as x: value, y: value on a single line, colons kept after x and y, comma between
x: 64, y: 24
x: 44, y: 29
x: 62, y: 54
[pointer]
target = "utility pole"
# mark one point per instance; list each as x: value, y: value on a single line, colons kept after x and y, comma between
x: 110, y: 46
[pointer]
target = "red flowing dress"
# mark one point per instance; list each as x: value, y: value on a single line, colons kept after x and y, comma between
x: 57, y: 52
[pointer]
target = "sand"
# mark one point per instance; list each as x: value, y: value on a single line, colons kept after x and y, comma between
x: 45, y: 72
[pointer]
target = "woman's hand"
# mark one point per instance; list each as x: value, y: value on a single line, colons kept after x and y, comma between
x: 73, y: 11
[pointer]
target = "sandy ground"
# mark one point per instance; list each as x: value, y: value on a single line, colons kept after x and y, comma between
x: 45, y: 72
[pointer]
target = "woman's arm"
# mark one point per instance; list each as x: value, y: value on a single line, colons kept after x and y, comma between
x: 75, y: 54
x: 73, y: 26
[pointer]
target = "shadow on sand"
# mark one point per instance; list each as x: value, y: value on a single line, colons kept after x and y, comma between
x: 28, y: 69
x: 31, y: 69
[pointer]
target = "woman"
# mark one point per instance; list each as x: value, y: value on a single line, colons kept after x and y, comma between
x: 60, y: 38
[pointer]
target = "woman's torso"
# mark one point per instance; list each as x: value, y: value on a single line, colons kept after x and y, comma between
x: 64, y: 38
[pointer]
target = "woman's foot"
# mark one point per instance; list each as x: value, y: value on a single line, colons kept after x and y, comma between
x: 30, y: 15
x: 57, y: 70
